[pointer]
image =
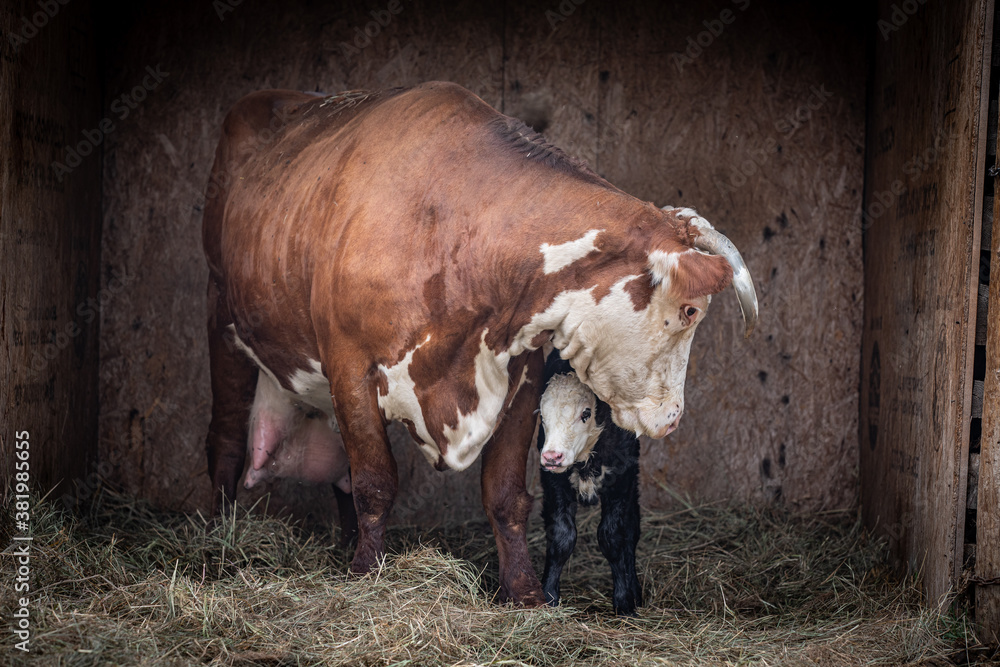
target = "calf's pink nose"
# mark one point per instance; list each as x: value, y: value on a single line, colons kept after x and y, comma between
x: 552, y: 458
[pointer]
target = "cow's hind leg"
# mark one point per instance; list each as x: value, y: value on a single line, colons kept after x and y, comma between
x: 559, y: 513
x: 618, y: 535
x: 505, y: 498
x: 234, y: 382
x: 374, y: 478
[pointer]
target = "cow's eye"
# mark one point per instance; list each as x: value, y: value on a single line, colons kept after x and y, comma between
x: 688, y: 314
x: 586, y: 415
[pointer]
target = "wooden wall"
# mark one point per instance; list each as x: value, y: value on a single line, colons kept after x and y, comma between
x: 923, y: 197
x: 983, y: 497
x: 50, y: 223
x: 761, y: 127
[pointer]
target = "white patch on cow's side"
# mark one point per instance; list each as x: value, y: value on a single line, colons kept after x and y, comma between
x: 564, y: 254
x: 400, y: 402
x: 309, y: 387
x: 468, y: 438
x: 245, y: 349
x: 312, y: 387
x: 587, y: 488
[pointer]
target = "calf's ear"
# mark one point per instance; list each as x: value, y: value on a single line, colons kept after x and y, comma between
x: 690, y: 274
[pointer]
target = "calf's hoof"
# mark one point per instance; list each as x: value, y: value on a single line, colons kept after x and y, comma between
x: 626, y: 610
x: 628, y: 606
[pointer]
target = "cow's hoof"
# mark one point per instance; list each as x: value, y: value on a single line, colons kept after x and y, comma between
x: 360, y: 569
x: 533, y: 599
x: 365, y: 559
x: 529, y: 597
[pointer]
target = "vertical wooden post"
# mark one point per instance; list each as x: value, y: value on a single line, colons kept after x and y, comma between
x: 50, y: 224
x: 987, y: 591
x: 922, y: 215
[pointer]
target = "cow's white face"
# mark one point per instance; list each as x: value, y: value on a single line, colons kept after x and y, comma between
x: 569, y: 417
x: 636, y: 360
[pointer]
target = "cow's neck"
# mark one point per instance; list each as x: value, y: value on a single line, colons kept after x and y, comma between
x: 559, y: 301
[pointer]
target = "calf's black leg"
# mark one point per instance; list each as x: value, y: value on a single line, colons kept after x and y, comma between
x: 559, y: 513
x: 618, y: 535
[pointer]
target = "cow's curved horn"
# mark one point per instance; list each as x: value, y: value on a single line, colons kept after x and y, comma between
x: 717, y: 244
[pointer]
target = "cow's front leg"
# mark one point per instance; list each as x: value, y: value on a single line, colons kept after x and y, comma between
x: 374, y: 478
x: 234, y: 380
x: 505, y: 498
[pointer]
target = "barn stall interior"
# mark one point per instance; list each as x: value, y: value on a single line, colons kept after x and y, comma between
x: 844, y: 150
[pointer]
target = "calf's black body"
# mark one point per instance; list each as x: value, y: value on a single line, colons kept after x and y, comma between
x: 610, y: 474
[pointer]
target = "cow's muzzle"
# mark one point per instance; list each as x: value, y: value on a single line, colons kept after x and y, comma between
x: 655, y: 423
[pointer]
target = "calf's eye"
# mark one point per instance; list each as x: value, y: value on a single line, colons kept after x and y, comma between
x: 692, y: 311
x: 586, y: 415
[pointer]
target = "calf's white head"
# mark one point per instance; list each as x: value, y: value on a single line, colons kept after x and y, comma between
x: 632, y: 345
x: 569, y: 417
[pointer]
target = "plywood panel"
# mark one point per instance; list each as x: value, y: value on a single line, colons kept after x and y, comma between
x: 924, y: 170
x: 741, y: 111
x: 551, y: 73
x: 49, y: 240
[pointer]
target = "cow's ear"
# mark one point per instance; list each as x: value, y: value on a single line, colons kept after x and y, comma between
x: 690, y: 274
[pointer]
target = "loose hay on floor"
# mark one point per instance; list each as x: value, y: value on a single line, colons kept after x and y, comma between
x: 122, y: 584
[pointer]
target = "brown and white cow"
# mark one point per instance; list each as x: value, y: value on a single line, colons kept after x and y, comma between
x: 409, y: 252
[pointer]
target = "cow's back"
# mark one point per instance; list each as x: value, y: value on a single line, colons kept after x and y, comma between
x: 257, y: 125
x: 242, y: 133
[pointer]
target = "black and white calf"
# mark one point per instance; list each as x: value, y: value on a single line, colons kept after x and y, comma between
x: 585, y: 456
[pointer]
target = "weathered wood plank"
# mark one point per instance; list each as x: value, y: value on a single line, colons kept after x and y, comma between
x: 50, y: 224
x: 922, y: 215
x: 988, y: 474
